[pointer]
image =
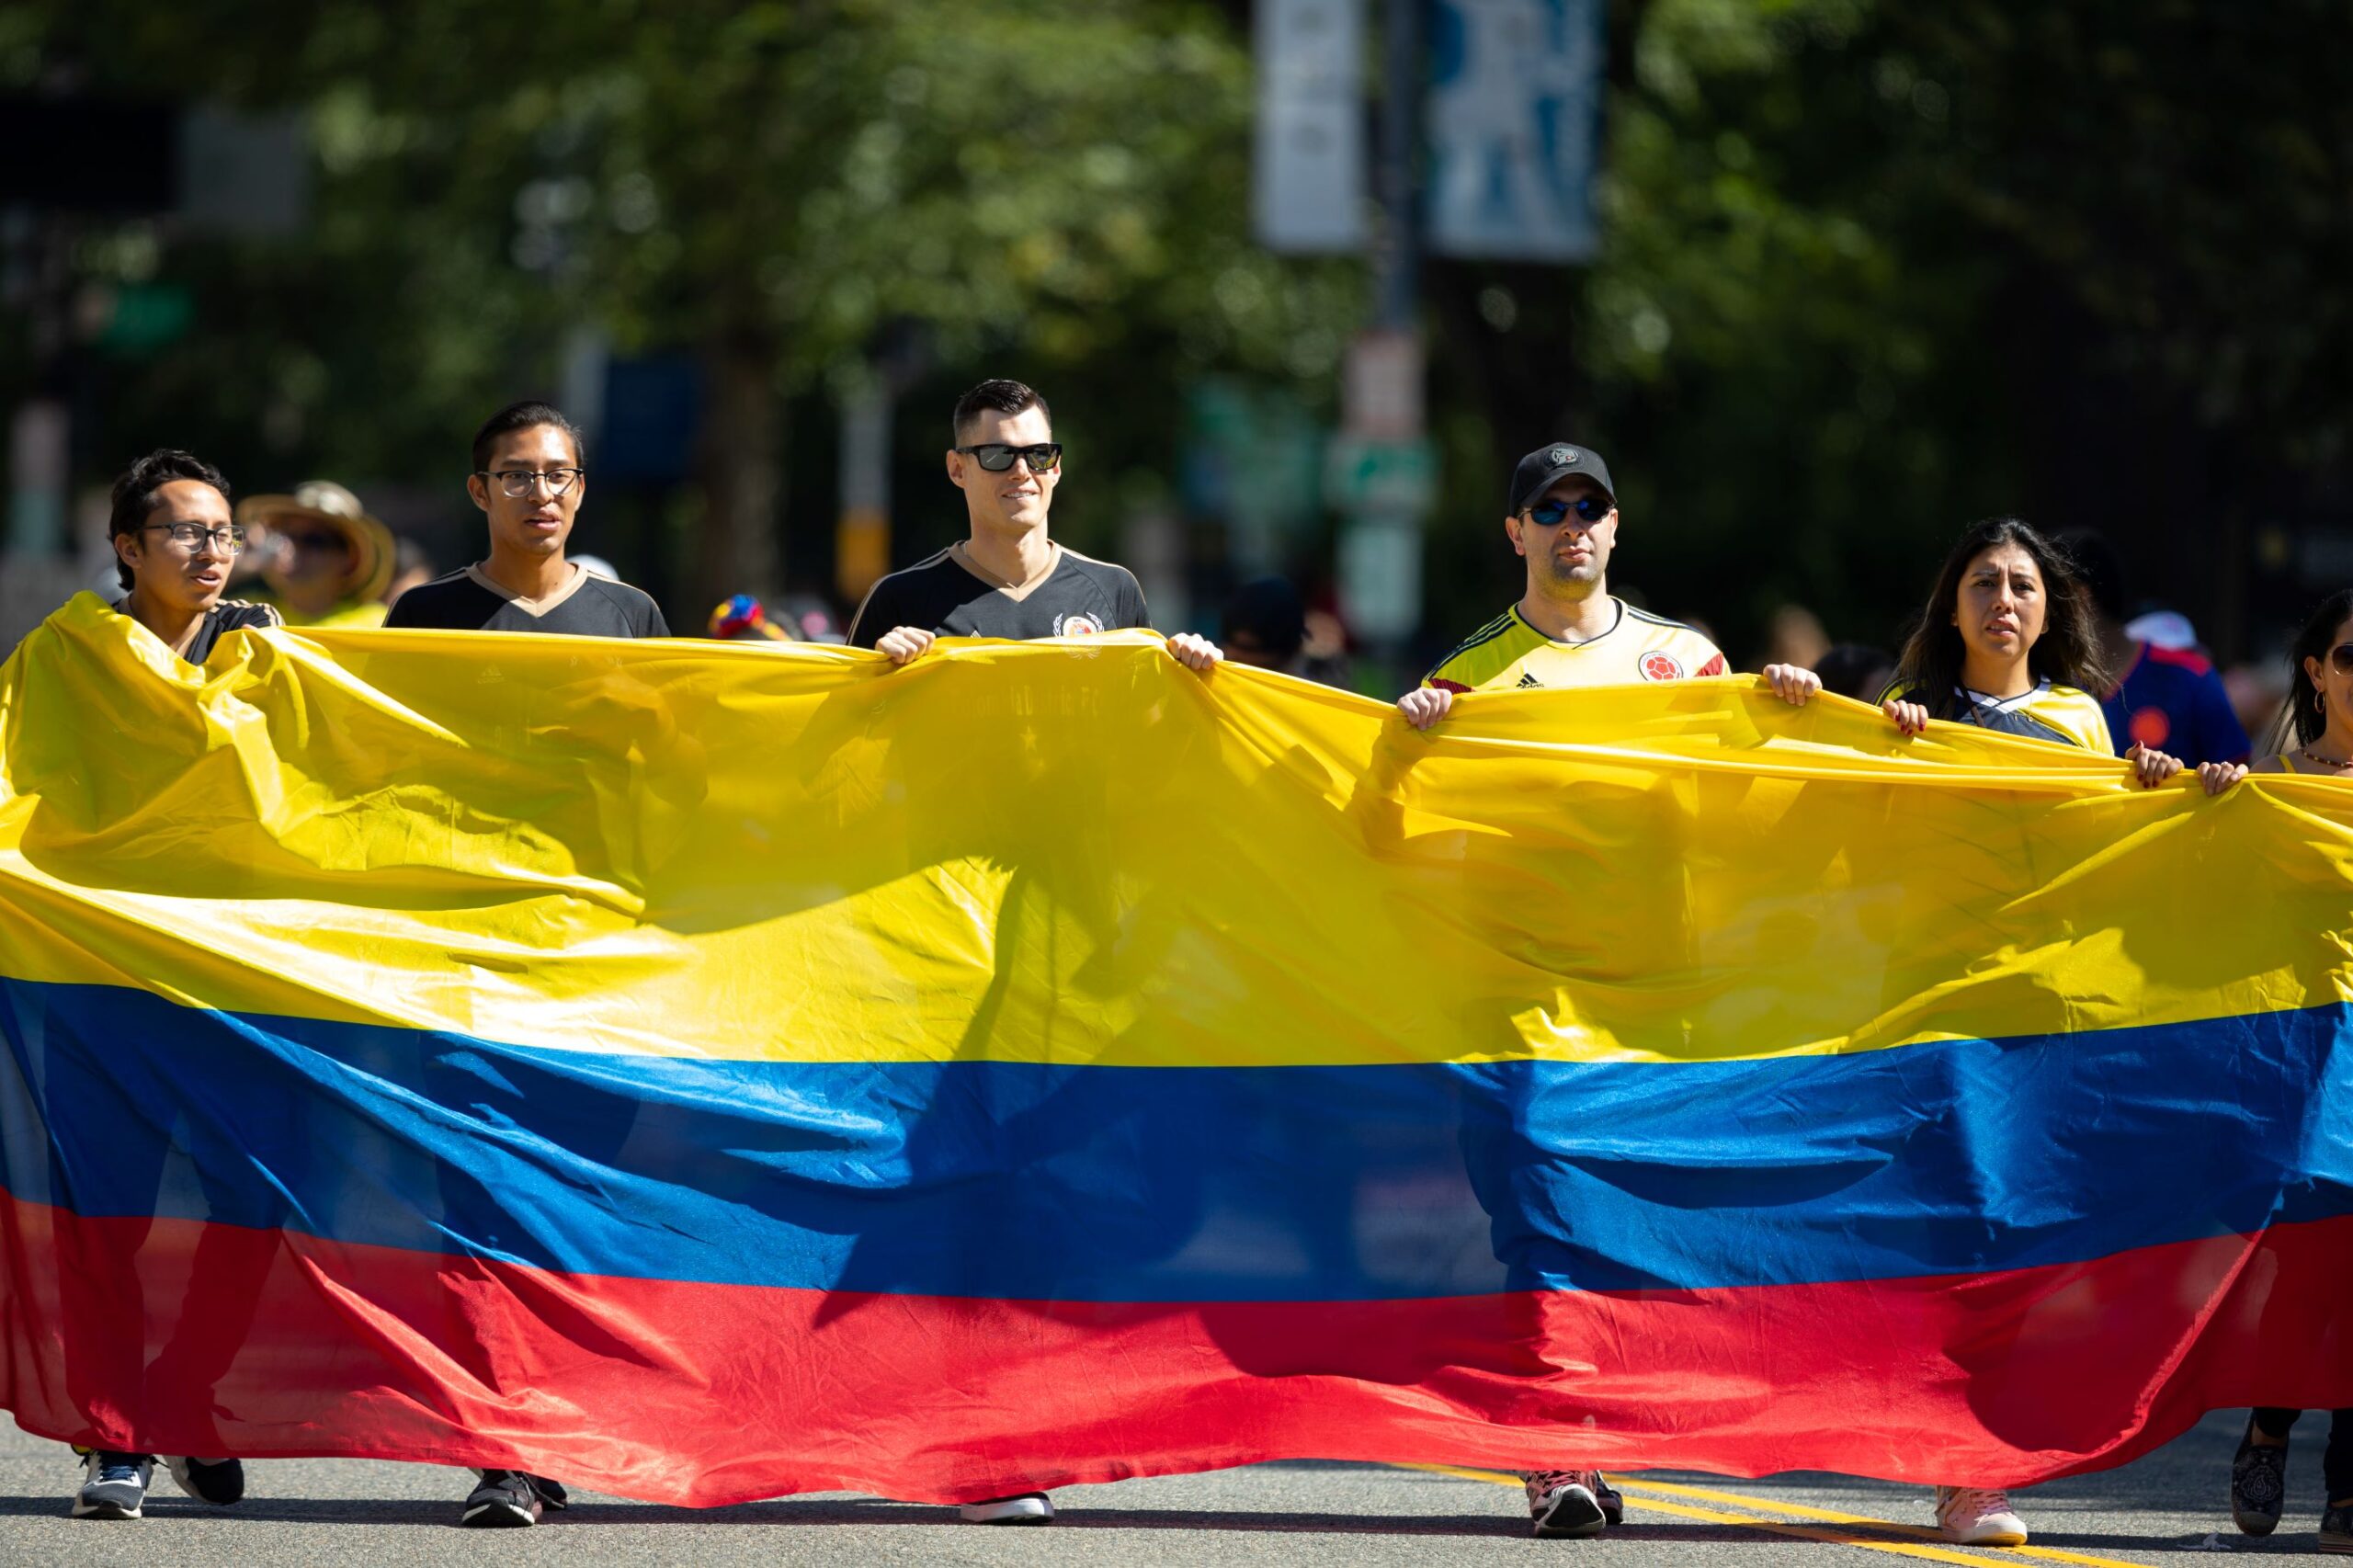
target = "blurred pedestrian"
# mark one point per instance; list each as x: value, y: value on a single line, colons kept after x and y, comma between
x: 1265, y: 625
x: 742, y: 619
x: 325, y: 560
x: 1857, y: 670
x: 2169, y: 698
x: 1793, y: 635
x: 411, y: 566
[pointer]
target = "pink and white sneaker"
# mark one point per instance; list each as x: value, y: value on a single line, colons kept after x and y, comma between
x: 1973, y: 1516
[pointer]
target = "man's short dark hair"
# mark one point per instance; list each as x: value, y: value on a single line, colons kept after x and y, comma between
x: 134, y: 492
x: 525, y: 415
x: 998, y: 396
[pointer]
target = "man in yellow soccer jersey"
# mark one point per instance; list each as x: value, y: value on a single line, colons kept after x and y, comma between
x: 1568, y: 629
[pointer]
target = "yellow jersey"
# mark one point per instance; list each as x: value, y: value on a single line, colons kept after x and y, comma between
x: 1509, y: 652
x: 2059, y: 714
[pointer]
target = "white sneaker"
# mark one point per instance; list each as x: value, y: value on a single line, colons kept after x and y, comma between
x: 1029, y: 1509
x: 1971, y: 1516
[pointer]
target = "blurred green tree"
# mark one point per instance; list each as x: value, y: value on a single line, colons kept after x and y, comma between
x: 1057, y: 185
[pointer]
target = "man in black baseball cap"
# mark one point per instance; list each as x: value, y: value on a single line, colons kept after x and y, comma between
x: 1547, y: 466
x: 1568, y: 629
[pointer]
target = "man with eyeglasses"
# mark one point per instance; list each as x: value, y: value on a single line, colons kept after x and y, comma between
x: 1568, y: 630
x: 173, y: 541
x: 528, y: 480
x: 1007, y: 578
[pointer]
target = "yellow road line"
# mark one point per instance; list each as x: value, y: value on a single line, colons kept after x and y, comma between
x: 1809, y: 1532
x: 1653, y: 1496
x: 1707, y: 1495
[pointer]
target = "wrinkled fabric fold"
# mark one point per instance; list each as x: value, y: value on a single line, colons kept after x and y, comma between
x: 706, y: 1071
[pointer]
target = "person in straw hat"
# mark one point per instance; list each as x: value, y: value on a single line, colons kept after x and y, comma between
x: 329, y: 560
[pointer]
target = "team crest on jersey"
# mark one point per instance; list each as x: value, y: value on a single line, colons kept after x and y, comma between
x: 1658, y: 664
x: 1076, y: 626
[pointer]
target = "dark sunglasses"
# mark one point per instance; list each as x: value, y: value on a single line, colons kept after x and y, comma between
x: 2340, y: 658
x: 1588, y: 508
x: 996, y: 457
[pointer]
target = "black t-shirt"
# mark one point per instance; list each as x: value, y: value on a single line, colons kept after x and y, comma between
x: 941, y: 595
x: 468, y: 601
x: 225, y: 617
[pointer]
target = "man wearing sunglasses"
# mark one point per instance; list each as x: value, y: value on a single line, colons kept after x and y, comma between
x: 529, y: 479
x: 1007, y: 579
x: 1568, y: 630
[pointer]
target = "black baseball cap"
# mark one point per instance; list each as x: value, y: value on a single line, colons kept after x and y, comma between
x: 1548, y: 465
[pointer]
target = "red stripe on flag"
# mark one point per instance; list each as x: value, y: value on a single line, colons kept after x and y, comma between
x: 250, y: 1343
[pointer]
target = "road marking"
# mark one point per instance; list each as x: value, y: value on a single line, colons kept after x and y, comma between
x: 1706, y: 1494
x: 1654, y: 1495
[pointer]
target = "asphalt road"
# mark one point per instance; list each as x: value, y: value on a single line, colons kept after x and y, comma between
x: 338, y: 1511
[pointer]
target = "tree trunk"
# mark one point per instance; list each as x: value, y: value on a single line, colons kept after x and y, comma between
x: 736, y: 551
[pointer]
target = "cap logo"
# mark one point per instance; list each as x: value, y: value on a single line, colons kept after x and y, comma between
x: 1563, y: 457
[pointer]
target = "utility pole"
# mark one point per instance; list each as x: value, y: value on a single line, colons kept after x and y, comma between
x: 1383, y: 471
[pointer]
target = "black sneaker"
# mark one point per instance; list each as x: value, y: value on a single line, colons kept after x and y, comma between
x: 504, y: 1500
x: 1613, y: 1502
x: 2258, y: 1485
x: 551, y: 1493
x: 115, y: 1486
x: 1564, y: 1504
x: 217, y: 1482
x: 2336, y: 1528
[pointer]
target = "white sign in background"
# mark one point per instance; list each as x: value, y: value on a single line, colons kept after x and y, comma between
x: 1308, y: 176
x: 1514, y: 116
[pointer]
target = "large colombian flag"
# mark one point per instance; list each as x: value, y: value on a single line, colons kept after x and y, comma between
x: 708, y: 1071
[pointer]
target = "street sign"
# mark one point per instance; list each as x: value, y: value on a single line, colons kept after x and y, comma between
x: 1514, y: 112
x: 1307, y: 164
x: 1388, y: 477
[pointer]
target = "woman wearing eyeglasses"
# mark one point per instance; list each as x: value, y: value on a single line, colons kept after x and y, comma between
x: 174, y: 542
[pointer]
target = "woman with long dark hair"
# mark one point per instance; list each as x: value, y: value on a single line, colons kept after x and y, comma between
x: 2314, y: 735
x: 2008, y: 642
x: 2315, y: 730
